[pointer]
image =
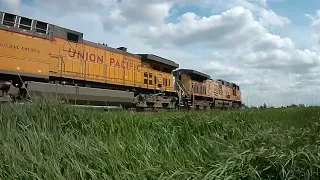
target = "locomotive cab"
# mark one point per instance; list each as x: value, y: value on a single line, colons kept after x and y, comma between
x: 157, y: 72
x: 192, y: 85
x: 193, y: 81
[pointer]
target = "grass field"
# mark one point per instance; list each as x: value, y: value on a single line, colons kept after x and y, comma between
x: 49, y: 141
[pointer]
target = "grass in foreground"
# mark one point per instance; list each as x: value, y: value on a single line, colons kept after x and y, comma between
x: 49, y: 141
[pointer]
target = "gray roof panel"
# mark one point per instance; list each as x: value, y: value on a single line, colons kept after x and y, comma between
x: 191, y: 71
x: 159, y: 59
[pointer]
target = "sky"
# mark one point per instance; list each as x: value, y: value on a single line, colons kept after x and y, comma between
x: 270, y: 48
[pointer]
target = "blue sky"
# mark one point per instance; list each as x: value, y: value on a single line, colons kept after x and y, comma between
x: 295, y: 10
x: 269, y: 47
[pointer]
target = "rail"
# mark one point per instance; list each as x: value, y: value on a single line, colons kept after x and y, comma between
x: 85, y: 106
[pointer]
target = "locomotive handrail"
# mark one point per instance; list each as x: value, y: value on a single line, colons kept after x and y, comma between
x: 33, y: 29
x: 184, y: 89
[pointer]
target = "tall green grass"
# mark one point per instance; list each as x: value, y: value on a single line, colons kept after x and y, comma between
x: 52, y: 141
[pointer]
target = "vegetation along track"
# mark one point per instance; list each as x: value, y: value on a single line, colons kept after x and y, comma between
x: 54, y: 141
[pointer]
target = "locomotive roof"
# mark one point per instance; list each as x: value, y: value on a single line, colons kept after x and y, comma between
x: 52, y: 30
x: 159, y: 59
x: 61, y: 33
x: 192, y: 72
x: 228, y: 83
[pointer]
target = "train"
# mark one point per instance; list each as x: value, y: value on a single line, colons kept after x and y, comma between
x: 40, y: 59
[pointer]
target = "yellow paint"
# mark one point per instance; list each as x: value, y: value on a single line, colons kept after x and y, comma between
x: 210, y: 89
x: 20, y: 53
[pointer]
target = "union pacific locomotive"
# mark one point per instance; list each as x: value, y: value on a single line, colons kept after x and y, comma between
x: 39, y: 59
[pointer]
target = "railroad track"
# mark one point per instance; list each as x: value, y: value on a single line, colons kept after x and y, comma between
x: 120, y: 108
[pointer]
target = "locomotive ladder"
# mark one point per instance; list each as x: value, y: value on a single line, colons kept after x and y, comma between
x: 185, y: 98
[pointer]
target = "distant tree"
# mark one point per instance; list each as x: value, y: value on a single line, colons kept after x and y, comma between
x: 244, y: 106
x: 264, y: 106
x: 292, y: 105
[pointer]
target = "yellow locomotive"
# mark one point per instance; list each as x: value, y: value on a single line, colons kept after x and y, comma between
x: 39, y: 58
x: 198, y: 90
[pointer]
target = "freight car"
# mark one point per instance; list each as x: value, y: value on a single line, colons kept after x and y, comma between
x: 38, y: 59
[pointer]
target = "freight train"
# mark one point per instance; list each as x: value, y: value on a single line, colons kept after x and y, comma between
x: 39, y: 59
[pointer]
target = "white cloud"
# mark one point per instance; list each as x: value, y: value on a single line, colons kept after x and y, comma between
x: 139, y: 11
x: 73, y: 5
x: 10, y: 5
x: 315, y: 25
x: 266, y: 17
x: 269, y: 18
x: 219, y: 70
x: 270, y: 41
x: 235, y: 44
x: 230, y: 29
x: 315, y: 20
x: 296, y: 61
x: 261, y: 2
x: 143, y: 12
